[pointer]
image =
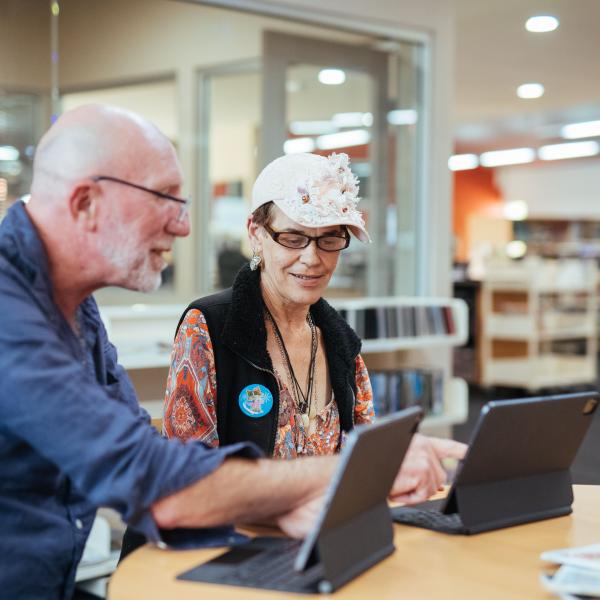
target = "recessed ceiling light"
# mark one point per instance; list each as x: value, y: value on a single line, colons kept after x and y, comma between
x: 332, y: 76
x: 541, y: 23
x: 515, y: 210
x: 516, y: 249
x: 530, y: 90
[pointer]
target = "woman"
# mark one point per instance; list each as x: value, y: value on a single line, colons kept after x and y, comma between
x: 269, y: 360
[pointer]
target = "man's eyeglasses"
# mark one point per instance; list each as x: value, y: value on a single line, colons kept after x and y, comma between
x: 183, y: 203
x: 330, y: 242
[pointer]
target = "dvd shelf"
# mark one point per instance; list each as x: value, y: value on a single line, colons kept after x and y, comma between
x: 386, y: 322
x: 402, y: 388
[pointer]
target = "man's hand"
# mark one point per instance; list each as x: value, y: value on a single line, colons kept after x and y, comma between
x: 421, y: 473
x: 299, y: 522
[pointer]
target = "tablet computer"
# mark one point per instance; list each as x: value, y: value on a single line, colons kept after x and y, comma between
x: 516, y: 468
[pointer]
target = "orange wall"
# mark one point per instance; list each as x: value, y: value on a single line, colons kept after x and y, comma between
x: 474, y: 194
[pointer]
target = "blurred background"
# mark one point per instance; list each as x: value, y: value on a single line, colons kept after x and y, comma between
x: 473, y: 126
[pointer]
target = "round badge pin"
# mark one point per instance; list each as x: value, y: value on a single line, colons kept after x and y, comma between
x: 255, y: 400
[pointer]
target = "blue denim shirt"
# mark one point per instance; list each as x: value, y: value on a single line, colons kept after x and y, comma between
x: 72, y: 434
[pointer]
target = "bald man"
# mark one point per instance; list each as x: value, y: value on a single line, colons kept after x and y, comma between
x: 105, y: 207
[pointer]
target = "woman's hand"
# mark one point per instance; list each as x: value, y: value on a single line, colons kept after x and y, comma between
x: 421, y: 473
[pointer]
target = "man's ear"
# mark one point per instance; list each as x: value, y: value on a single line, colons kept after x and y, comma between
x: 83, y: 203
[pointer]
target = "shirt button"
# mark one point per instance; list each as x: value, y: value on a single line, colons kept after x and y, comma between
x: 78, y: 524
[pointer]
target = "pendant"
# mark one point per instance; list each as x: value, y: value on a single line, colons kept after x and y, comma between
x: 305, y: 421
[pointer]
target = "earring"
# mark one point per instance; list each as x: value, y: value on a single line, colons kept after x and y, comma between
x: 255, y: 261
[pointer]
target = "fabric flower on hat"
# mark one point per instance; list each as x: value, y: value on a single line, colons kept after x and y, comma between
x: 313, y: 190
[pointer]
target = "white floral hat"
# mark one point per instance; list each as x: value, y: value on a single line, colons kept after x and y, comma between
x: 312, y: 190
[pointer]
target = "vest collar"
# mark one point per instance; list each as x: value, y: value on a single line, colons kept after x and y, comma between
x: 244, y: 329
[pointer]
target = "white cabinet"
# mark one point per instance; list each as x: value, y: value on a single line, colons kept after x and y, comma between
x: 539, y: 324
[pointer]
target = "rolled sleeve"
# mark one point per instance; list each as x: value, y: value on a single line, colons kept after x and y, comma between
x: 214, y: 457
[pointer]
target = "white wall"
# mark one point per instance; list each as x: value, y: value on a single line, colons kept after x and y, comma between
x: 24, y: 45
x: 155, y: 101
x: 557, y: 190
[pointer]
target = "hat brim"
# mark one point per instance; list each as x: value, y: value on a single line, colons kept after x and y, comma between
x: 356, y: 229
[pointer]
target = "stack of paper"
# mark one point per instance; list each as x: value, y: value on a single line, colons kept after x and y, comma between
x: 578, y: 575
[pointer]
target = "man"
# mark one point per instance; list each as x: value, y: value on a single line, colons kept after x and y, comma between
x: 105, y: 207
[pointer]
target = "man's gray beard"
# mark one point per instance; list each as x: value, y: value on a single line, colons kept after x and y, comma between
x: 140, y: 278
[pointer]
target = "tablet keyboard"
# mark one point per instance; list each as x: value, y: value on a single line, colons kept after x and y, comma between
x: 428, y: 519
x: 266, y: 563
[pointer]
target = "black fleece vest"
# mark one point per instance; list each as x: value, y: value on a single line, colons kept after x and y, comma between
x: 235, y: 319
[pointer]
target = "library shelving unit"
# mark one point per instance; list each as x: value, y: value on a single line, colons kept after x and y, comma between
x: 143, y: 335
x: 539, y: 324
x: 396, y: 326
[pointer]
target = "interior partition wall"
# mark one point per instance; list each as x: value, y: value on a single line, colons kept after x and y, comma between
x: 243, y: 80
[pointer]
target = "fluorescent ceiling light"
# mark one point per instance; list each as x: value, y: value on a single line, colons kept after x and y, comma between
x: 568, y: 150
x: 541, y: 24
x: 530, y: 90
x: 312, y: 127
x: 9, y: 153
x: 343, y: 139
x: 402, y: 117
x: 297, y: 145
x: 352, y: 119
x: 514, y: 156
x: 332, y: 76
x: 463, y: 162
x: 515, y: 210
x: 580, y: 130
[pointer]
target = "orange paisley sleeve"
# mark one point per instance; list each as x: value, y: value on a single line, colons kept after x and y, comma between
x: 363, y: 410
x: 190, y: 399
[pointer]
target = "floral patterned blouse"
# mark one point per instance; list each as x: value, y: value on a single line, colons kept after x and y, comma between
x: 190, y: 411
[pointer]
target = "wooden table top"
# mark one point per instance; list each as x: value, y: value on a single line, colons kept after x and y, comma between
x: 502, y: 564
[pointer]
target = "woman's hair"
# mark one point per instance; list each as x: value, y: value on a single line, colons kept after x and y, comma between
x: 262, y: 215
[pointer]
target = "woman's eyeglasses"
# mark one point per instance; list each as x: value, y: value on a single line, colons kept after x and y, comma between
x: 330, y: 242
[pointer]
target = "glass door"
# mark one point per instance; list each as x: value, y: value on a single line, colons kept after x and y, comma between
x: 323, y: 97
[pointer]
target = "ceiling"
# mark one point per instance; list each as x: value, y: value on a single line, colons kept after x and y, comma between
x: 495, y: 54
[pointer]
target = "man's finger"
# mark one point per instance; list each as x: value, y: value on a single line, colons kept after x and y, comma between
x: 448, y: 448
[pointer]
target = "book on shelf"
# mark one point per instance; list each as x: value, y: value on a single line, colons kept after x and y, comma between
x: 389, y: 322
x: 401, y: 388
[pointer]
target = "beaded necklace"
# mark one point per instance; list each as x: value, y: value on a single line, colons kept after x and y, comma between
x: 303, y: 401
